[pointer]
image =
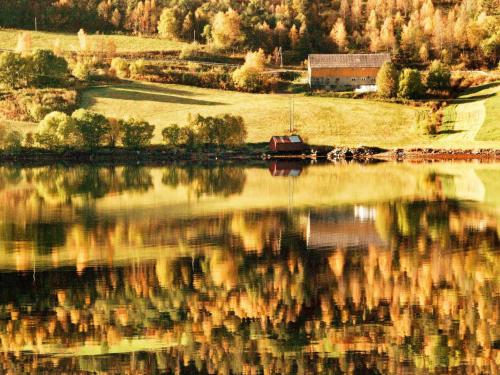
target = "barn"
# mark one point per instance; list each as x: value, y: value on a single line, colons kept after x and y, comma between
x: 344, y: 71
x: 288, y: 143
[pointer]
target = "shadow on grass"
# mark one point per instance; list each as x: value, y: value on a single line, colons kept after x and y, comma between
x: 135, y: 93
x: 473, y: 90
x: 472, y: 99
x: 449, y: 131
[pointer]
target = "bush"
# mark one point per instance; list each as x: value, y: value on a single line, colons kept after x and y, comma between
x: 93, y: 127
x: 172, y: 135
x: 410, y: 84
x: 82, y: 70
x: 57, y: 129
x: 38, y: 111
x: 120, y: 67
x: 190, y: 51
x: 387, y: 80
x: 137, y: 68
x: 137, y: 133
x: 13, y: 141
x: 45, y: 68
x: 439, y: 76
x: 13, y: 70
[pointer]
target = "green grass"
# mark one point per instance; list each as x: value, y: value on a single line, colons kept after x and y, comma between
x: 69, y: 42
x: 320, y: 120
x: 491, y: 126
x: 474, y: 117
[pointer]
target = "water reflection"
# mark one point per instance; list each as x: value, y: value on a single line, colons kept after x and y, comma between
x: 389, y: 268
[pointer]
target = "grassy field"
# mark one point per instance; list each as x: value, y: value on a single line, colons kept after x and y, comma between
x: 319, y: 120
x: 475, y: 116
x: 69, y: 42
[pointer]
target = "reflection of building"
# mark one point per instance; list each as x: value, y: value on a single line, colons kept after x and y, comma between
x: 285, y: 167
x: 340, y: 229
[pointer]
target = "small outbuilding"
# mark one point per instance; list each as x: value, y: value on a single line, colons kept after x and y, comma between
x: 287, y: 143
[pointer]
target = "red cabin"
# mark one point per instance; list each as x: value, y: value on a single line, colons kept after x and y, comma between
x: 288, y: 143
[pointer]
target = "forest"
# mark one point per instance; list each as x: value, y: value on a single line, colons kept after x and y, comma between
x: 465, y: 33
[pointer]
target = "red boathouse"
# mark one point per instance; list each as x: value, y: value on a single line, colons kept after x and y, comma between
x: 288, y: 143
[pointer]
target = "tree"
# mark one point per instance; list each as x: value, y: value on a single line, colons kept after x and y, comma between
x: 116, y: 18
x: 137, y: 133
x: 170, y: 24
x: 226, y: 29
x: 410, y: 84
x: 339, y: 34
x: 222, y: 130
x: 45, y: 68
x: 439, y: 76
x: 93, y: 127
x: 172, y: 135
x: 13, y: 70
x: 387, y: 80
x: 249, y: 76
x: 57, y: 129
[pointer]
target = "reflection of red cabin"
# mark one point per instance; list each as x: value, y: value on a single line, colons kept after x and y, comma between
x: 290, y: 143
x: 285, y: 168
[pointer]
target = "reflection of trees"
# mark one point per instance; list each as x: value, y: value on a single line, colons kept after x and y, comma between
x: 220, y: 180
x: 265, y: 304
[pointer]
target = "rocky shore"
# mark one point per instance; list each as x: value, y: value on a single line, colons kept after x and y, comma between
x: 364, y: 153
x: 251, y: 152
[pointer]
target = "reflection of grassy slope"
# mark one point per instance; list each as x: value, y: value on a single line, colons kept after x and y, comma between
x: 491, y: 181
x: 320, y: 120
x: 124, y: 43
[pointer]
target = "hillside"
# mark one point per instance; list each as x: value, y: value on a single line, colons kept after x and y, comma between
x: 69, y: 41
x: 319, y: 120
x: 471, y: 122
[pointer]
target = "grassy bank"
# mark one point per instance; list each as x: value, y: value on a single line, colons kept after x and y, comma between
x: 474, y: 117
x: 320, y: 120
x: 69, y: 42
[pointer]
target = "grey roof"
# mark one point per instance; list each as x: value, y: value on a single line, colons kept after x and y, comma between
x: 354, y: 60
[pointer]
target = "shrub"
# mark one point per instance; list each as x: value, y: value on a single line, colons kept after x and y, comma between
x: 13, y: 141
x: 93, y: 127
x: 439, y: 76
x: 45, y: 68
x: 57, y: 129
x: 387, y: 80
x: 115, y: 132
x: 13, y: 70
x: 172, y: 135
x: 82, y: 70
x: 120, y: 67
x: 190, y: 51
x: 410, y: 84
x: 38, y: 111
x: 29, y: 140
x: 137, y: 133
x: 137, y: 68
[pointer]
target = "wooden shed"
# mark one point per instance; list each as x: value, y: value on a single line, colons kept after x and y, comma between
x: 288, y: 143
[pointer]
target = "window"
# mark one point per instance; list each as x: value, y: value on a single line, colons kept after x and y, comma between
x: 328, y: 81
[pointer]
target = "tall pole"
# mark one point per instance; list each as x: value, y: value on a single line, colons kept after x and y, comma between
x: 36, y: 25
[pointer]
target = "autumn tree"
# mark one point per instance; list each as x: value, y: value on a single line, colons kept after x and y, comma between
x: 387, y: 80
x: 438, y: 77
x: 339, y: 34
x: 226, y: 29
x: 410, y: 84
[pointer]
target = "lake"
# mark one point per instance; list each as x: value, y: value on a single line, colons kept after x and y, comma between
x: 266, y: 268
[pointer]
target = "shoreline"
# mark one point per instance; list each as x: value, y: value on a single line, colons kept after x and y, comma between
x: 248, y: 153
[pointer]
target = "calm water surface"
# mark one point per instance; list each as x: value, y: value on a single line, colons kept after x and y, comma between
x: 279, y: 269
